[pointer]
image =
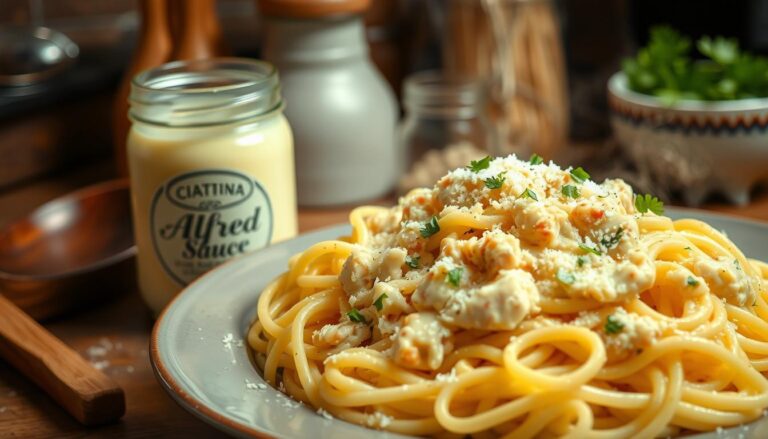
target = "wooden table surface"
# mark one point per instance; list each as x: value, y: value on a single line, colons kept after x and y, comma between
x: 115, y: 338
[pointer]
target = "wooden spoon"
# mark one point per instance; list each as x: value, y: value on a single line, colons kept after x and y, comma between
x: 86, y: 393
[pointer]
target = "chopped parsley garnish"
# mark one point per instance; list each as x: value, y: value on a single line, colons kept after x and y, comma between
x: 479, y: 165
x: 736, y: 263
x: 570, y: 190
x: 580, y: 175
x: 647, y: 202
x: 612, y: 241
x: 430, y: 228
x: 454, y: 276
x: 688, y: 247
x: 565, y: 277
x: 535, y: 159
x: 495, y: 182
x: 379, y: 303
x: 588, y: 249
x: 691, y: 281
x: 529, y: 194
x: 355, y: 316
x: 669, y: 68
x: 413, y: 261
x: 581, y: 260
x: 613, y: 325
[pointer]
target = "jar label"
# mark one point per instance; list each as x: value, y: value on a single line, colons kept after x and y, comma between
x: 203, y: 218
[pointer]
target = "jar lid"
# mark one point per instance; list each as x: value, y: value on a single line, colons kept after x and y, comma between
x: 311, y: 8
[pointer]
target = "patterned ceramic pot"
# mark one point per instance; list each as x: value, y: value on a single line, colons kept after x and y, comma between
x: 697, y: 147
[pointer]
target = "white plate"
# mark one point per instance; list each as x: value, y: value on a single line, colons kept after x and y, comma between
x: 206, y: 372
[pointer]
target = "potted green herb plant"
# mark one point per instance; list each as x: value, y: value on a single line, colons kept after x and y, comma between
x: 694, y: 115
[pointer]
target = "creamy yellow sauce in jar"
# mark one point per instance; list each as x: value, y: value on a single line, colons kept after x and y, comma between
x: 211, y: 163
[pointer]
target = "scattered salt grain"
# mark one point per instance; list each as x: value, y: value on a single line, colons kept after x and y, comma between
x: 129, y: 369
x: 106, y: 344
x: 254, y: 386
x: 96, y: 351
x: 324, y: 414
x: 378, y: 420
x: 287, y: 402
x: 447, y: 377
x: 3, y: 409
x: 101, y: 349
x: 228, y: 341
x: 100, y: 365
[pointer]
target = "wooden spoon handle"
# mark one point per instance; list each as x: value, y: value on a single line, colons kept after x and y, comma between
x: 86, y: 393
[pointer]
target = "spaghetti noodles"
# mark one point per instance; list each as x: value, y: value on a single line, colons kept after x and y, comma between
x: 518, y: 299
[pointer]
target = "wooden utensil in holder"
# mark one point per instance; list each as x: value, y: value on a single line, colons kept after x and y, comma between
x: 87, y: 394
x: 170, y: 30
x: 515, y: 46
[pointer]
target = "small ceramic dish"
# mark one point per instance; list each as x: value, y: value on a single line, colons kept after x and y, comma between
x: 200, y: 357
x: 700, y: 147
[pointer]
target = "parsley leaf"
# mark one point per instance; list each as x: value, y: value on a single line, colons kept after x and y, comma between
x: 565, y: 277
x: 535, y: 159
x: 579, y: 175
x: 613, y: 325
x: 721, y: 50
x: 379, y: 303
x: 612, y: 241
x: 454, y: 276
x: 570, y: 190
x: 667, y: 68
x: 581, y: 260
x: 692, y: 281
x: 430, y: 228
x: 495, y: 182
x: 355, y: 316
x: 647, y: 202
x: 588, y: 249
x: 479, y: 165
x: 413, y: 261
x: 529, y: 194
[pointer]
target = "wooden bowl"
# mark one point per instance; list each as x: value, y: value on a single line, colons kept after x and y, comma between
x: 70, y: 253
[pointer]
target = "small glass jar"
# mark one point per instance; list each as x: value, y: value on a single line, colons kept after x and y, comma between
x: 210, y: 157
x: 445, y: 126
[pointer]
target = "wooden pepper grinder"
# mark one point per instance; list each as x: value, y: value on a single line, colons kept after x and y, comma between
x: 197, y: 34
x: 171, y: 30
x: 154, y: 48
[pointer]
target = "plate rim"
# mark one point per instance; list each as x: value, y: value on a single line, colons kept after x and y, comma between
x: 200, y: 409
x: 193, y: 405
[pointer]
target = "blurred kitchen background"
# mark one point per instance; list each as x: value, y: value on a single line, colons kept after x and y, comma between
x: 540, y: 68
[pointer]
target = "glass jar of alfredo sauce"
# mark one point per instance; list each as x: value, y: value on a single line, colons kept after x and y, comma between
x: 210, y: 156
